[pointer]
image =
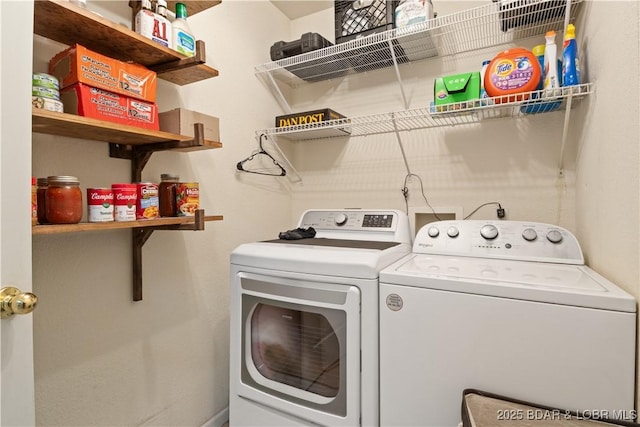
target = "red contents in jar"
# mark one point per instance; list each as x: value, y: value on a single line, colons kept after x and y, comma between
x: 34, y: 201
x: 63, y: 200
x: 167, y: 194
x: 41, y: 194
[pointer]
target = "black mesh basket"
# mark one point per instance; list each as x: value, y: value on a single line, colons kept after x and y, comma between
x: 361, y: 18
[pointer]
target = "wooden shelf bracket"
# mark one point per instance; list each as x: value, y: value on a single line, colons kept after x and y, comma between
x: 140, y: 154
x: 199, y: 58
x: 140, y: 236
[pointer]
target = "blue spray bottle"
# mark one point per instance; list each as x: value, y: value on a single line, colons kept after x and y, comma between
x: 570, y: 62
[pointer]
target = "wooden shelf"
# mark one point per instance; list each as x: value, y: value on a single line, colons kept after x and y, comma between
x: 194, y: 6
x: 157, y: 224
x: 70, y: 125
x: 140, y: 233
x: 61, y: 21
x: 66, y: 23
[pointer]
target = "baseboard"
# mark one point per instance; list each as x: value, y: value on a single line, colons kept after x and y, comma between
x: 219, y: 419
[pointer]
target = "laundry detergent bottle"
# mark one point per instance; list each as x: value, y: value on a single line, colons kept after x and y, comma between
x: 538, y: 52
x: 570, y: 62
x: 551, y: 80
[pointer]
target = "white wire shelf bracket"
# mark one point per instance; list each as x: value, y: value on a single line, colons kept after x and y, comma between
x: 473, y: 29
x: 459, y: 113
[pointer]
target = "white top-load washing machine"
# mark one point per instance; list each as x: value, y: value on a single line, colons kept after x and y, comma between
x: 506, y: 307
x: 304, y: 320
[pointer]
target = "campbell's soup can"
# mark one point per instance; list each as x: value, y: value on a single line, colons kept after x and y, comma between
x: 187, y: 198
x: 124, y: 202
x: 100, y: 204
x: 148, y: 204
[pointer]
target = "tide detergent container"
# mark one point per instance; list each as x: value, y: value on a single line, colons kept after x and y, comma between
x: 510, y: 72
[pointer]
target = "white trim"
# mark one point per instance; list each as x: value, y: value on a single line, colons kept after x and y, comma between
x: 219, y: 419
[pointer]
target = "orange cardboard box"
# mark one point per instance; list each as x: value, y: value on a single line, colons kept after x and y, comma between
x: 96, y: 103
x: 78, y: 64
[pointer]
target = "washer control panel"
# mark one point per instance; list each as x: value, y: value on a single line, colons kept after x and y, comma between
x: 527, y: 241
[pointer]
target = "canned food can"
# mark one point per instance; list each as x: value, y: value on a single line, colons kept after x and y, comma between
x: 45, y: 92
x: 187, y: 198
x: 47, y: 104
x: 148, y: 205
x: 100, y: 204
x: 46, y: 80
x: 124, y: 202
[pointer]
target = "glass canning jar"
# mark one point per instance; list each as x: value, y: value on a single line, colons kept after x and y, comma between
x: 63, y: 200
x: 167, y: 194
x: 41, y: 194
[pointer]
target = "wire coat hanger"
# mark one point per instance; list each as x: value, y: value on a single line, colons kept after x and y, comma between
x: 240, y: 165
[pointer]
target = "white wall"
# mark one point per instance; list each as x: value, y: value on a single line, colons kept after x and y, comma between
x: 101, y: 359
x: 104, y: 360
x: 608, y: 159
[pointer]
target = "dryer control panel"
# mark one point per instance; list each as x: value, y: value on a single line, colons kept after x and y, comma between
x: 365, y: 224
x: 521, y: 240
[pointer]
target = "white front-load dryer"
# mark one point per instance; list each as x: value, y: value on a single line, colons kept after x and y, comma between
x: 304, y: 321
x: 505, y: 307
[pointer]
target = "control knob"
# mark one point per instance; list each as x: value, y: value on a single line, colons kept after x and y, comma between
x: 489, y: 232
x: 554, y: 236
x: 433, y: 232
x: 529, y: 234
x: 341, y: 219
x: 453, y: 232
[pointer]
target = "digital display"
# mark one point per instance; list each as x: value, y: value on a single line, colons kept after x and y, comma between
x: 378, y: 221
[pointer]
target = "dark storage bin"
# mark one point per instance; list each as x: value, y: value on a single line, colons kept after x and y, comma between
x: 306, y: 43
x: 519, y: 13
x: 316, y: 69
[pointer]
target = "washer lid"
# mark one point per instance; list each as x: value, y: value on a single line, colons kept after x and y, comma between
x: 533, y: 281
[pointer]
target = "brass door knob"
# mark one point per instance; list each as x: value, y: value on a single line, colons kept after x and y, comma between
x: 14, y: 301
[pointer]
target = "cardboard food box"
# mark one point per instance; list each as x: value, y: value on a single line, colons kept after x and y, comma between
x: 314, y: 116
x: 456, y: 88
x: 307, y: 117
x: 96, y: 103
x: 78, y: 64
x: 180, y: 121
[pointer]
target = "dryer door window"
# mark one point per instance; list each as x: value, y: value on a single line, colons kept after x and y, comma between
x: 300, y: 343
x: 297, y: 348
